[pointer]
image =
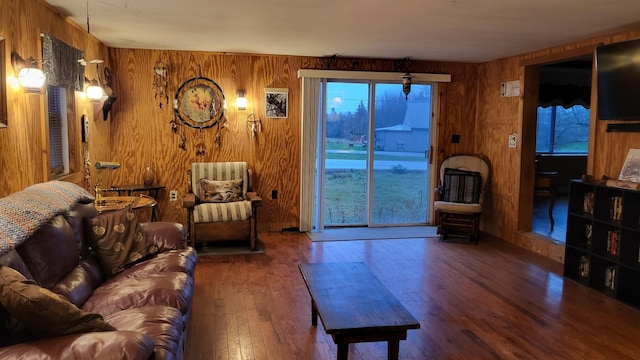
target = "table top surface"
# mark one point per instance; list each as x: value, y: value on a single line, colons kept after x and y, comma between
x: 110, y: 203
x: 349, y: 297
x: 140, y: 187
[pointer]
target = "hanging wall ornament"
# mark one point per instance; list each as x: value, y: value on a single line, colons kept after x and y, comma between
x: 174, y: 124
x: 254, y: 125
x: 183, y: 141
x: 200, y: 145
x: 160, y: 82
x: 199, y: 103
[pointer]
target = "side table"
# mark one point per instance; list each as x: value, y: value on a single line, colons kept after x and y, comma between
x: 152, y: 190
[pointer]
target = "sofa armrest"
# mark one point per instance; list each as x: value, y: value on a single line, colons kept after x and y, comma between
x: 166, y: 235
x: 254, y: 198
x: 93, y: 345
x: 189, y: 200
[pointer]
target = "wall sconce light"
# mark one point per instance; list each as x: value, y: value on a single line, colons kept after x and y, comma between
x: 406, y: 85
x: 241, y: 100
x: 30, y: 77
x: 102, y: 97
x: 94, y: 91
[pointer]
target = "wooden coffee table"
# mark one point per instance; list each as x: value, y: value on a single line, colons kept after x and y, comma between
x: 354, y: 306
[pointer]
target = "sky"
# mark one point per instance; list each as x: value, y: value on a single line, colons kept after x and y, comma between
x: 345, y: 97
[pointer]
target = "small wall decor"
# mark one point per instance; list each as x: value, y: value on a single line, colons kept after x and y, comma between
x: 254, y: 125
x: 199, y: 103
x: 160, y: 82
x: 276, y: 102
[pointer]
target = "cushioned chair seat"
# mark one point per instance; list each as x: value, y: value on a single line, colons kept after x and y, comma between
x: 457, y: 207
x: 222, y: 212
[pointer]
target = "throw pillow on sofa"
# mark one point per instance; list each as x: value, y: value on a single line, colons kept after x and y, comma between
x: 41, y: 310
x: 119, y: 241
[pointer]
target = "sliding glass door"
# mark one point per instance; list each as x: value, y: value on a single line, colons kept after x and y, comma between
x: 373, y: 153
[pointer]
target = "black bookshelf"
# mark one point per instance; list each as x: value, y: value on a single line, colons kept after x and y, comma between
x: 602, y: 248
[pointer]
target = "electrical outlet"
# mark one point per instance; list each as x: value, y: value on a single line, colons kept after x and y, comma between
x: 173, y: 195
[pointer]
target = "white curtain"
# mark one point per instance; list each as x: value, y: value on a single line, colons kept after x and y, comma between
x: 310, y: 109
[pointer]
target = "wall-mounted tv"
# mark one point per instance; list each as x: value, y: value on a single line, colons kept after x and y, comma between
x: 618, y: 72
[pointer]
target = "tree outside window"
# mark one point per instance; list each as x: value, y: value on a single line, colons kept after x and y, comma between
x: 562, y: 130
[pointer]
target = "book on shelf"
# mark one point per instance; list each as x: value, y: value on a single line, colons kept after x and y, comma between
x: 588, y: 233
x: 615, y: 212
x: 613, y: 242
x: 610, y: 277
x: 587, y: 207
x: 583, y: 266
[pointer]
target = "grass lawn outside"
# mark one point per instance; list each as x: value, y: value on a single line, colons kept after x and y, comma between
x: 400, y: 196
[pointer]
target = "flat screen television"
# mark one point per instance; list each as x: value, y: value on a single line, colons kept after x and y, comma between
x: 618, y: 75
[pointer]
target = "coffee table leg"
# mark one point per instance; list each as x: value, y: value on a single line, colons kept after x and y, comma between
x: 393, y: 349
x: 314, y: 314
x: 343, y: 351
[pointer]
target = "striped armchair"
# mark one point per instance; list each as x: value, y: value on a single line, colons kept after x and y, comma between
x: 221, y: 221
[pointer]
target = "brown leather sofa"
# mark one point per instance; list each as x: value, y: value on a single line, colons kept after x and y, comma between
x: 146, y: 305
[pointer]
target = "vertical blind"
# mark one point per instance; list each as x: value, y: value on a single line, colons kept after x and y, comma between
x: 56, y: 161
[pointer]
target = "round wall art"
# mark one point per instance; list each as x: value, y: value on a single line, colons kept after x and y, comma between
x: 199, y: 103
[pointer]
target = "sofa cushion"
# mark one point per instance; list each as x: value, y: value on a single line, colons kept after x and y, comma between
x: 221, y: 191
x: 42, y: 311
x: 120, y: 345
x: 77, y: 218
x: 54, y: 240
x: 173, y: 289
x: 80, y: 282
x: 183, y: 260
x: 165, y: 326
x: 119, y: 241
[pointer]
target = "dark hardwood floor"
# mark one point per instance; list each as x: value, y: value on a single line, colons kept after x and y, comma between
x: 487, y: 301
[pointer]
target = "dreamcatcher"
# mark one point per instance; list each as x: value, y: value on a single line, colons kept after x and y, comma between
x: 199, y: 103
x: 160, y: 82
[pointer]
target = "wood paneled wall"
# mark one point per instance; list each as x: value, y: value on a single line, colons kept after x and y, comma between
x: 138, y: 132
x: 141, y: 134
x: 510, y: 203
x: 23, y: 152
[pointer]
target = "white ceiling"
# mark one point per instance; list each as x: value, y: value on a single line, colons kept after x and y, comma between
x: 444, y: 30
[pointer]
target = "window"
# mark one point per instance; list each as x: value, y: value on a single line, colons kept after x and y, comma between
x: 58, y: 131
x: 562, y: 130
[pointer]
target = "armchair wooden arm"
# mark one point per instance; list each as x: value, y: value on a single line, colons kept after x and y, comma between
x: 189, y: 200
x: 254, y: 198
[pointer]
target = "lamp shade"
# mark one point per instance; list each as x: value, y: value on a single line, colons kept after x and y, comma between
x: 31, y: 79
x: 241, y: 100
x: 94, y: 91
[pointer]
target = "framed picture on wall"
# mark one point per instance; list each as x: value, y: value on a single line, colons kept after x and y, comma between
x: 276, y: 102
x: 631, y: 168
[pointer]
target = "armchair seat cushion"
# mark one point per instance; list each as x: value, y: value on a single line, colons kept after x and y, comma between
x: 462, y: 208
x: 222, y: 212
